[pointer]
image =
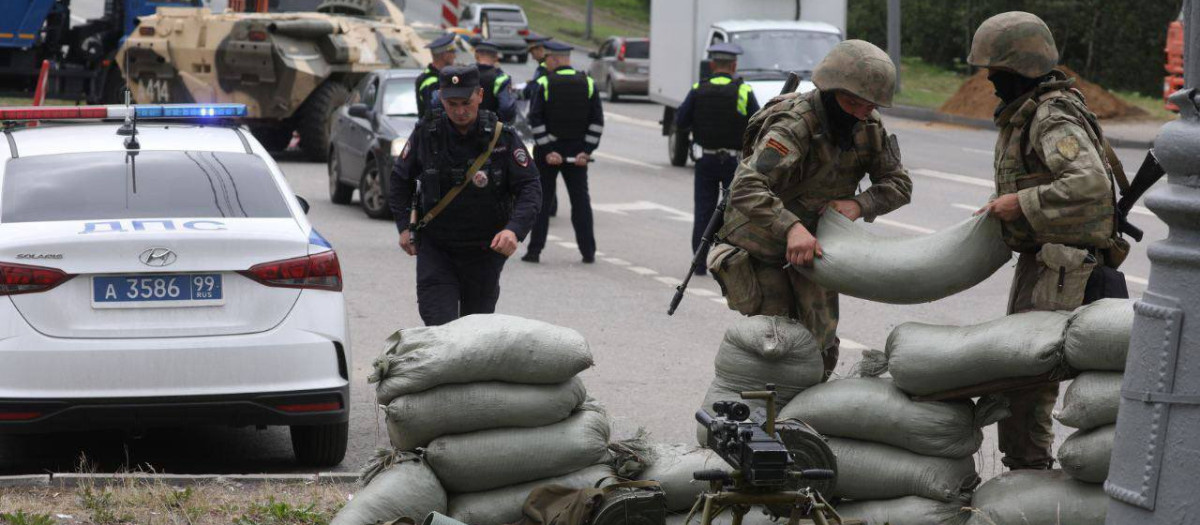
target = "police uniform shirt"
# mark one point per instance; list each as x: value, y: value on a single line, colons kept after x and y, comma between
x: 544, y: 120
x: 686, y: 114
x: 509, y: 172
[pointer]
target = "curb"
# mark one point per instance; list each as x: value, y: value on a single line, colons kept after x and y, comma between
x: 929, y: 115
x: 73, y: 480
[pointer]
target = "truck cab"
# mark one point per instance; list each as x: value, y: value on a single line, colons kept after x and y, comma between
x: 772, y: 49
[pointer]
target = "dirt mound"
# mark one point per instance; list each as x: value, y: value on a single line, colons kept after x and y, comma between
x: 976, y: 99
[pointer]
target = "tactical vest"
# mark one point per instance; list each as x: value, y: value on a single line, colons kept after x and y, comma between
x: 491, y: 79
x: 720, y: 113
x: 567, y: 94
x: 478, y: 212
x: 829, y: 172
x: 1018, y: 166
x: 426, y: 82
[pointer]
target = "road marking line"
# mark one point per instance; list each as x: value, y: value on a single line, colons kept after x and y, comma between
x: 647, y: 165
x: 641, y: 270
x: 954, y: 177
x: 567, y: 244
x: 553, y: 238
x: 1137, y: 280
x: 849, y: 344
x: 634, y: 120
x: 890, y: 222
x: 967, y: 207
x: 1143, y: 211
x: 669, y: 281
x: 703, y: 292
x: 620, y: 208
x: 616, y: 261
x: 719, y: 300
x: 987, y: 152
x: 599, y: 253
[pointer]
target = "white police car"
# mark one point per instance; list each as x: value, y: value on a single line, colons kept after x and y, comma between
x: 168, y: 277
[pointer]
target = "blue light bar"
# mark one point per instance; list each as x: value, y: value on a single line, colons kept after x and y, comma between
x: 191, y: 111
x: 148, y: 111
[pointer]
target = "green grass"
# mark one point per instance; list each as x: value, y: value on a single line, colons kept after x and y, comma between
x: 925, y: 85
x: 21, y: 518
x: 282, y: 513
x: 1152, y: 105
x: 564, y: 19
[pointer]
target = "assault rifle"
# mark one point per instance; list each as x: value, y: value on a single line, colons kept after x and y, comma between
x: 415, y: 214
x: 1148, y: 174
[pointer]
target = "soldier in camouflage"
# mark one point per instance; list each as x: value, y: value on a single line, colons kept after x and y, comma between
x: 1054, y: 196
x: 803, y: 153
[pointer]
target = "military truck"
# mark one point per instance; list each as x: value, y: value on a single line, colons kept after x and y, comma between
x: 291, y: 70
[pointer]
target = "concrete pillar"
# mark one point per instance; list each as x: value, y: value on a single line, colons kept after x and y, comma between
x: 893, y: 37
x: 1156, y: 454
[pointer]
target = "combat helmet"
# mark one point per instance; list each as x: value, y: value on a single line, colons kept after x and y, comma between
x: 1015, y: 41
x: 859, y: 68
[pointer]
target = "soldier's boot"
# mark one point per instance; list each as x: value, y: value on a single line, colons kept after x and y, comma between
x: 1027, y: 435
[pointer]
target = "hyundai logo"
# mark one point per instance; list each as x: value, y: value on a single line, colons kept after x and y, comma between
x: 158, y: 257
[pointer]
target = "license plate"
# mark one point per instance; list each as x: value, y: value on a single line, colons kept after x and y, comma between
x: 157, y: 291
x: 643, y: 70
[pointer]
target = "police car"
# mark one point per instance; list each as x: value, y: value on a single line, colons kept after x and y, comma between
x: 158, y: 271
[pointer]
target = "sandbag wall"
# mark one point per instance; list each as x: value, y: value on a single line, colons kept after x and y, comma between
x: 485, y: 408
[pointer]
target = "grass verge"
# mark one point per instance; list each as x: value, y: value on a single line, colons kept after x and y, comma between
x: 925, y: 85
x: 1152, y: 105
x: 565, y: 19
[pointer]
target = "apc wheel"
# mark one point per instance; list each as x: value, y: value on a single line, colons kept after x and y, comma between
x: 678, y: 144
x: 339, y: 192
x: 320, y: 445
x: 272, y: 138
x: 315, y: 117
x: 612, y: 92
x: 373, y: 192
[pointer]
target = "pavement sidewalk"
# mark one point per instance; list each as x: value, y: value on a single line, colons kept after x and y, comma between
x: 1136, y: 134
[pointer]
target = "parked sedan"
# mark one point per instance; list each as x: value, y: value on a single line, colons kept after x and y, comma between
x: 504, y: 24
x: 622, y: 66
x: 368, y: 131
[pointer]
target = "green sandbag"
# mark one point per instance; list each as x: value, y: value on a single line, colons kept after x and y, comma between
x: 406, y: 489
x: 673, y: 466
x: 414, y: 420
x: 909, y: 510
x: 871, y: 471
x: 1091, y: 400
x: 873, y: 409
x: 1086, y: 454
x: 1098, y: 335
x: 503, y: 505
x: 1038, y: 497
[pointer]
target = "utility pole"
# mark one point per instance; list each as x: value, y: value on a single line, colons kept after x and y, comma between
x: 893, y: 36
x: 1154, y: 467
x: 587, y: 32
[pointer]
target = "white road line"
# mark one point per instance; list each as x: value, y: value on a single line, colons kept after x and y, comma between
x: 1137, y: 280
x: 641, y: 270
x: 616, y: 261
x: 568, y: 245
x: 669, y: 281
x: 702, y: 292
x: 599, y: 253
x: 719, y: 300
x: 890, y: 222
x: 967, y: 207
x: 1143, y: 211
x: 987, y: 152
x: 602, y: 155
x: 953, y: 177
x: 848, y: 344
x: 553, y: 238
x: 620, y: 208
x: 633, y: 120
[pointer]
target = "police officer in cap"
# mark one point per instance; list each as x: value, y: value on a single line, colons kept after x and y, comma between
x: 716, y: 111
x: 443, y: 52
x: 537, y: 50
x: 497, y: 85
x: 479, y: 196
x: 567, y: 122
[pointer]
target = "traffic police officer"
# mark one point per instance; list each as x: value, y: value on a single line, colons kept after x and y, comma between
x: 443, y: 54
x: 716, y: 111
x: 537, y: 50
x: 497, y: 85
x: 1054, y: 199
x: 809, y: 154
x: 567, y: 122
x: 479, y: 196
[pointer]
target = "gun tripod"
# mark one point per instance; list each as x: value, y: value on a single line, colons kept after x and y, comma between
x: 804, y: 503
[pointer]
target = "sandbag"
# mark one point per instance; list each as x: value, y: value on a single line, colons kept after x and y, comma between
x: 909, y: 510
x: 898, y: 269
x: 407, y: 489
x: 764, y: 349
x: 416, y: 419
x: 1085, y: 455
x: 873, y: 409
x: 1091, y: 400
x: 503, y: 505
x: 1038, y: 497
x: 673, y: 466
x: 925, y: 359
x: 489, y: 459
x: 477, y: 348
x: 1098, y: 335
x: 870, y: 471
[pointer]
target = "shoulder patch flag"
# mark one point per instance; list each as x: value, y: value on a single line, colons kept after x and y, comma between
x: 778, y: 146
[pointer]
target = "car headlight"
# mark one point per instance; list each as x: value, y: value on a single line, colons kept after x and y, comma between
x: 398, y: 146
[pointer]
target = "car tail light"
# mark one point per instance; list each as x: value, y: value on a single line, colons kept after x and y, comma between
x: 146, y: 31
x: 311, y: 407
x: 18, y: 278
x: 621, y: 53
x: 19, y: 416
x: 477, y: 30
x: 523, y: 32
x: 318, y: 272
x: 257, y: 35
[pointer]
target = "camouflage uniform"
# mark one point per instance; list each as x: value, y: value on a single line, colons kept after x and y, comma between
x: 1049, y: 154
x: 794, y: 170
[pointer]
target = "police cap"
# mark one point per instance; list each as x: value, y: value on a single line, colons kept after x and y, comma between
x: 555, y: 47
x: 486, y: 46
x: 458, y: 81
x: 441, y: 44
x: 724, y: 51
x: 534, y: 39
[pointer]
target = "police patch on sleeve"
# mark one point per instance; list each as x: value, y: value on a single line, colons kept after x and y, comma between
x: 521, y: 157
x: 404, y: 152
x: 1068, y: 147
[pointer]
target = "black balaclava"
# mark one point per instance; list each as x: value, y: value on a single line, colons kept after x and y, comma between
x: 841, y: 124
x: 1010, y: 86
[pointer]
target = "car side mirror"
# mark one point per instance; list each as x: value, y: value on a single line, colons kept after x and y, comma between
x: 360, y: 111
x: 593, y: 54
x: 303, y: 204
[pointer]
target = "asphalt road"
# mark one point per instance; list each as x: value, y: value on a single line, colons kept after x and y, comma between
x: 651, y: 370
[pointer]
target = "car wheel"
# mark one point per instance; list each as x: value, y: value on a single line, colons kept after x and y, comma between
x: 612, y: 92
x: 339, y: 192
x: 315, y: 118
x: 373, y: 192
x: 678, y: 144
x: 320, y: 445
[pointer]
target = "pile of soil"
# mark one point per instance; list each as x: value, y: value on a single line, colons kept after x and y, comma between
x: 976, y: 99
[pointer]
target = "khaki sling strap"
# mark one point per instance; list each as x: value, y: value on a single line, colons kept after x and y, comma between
x: 441, y: 205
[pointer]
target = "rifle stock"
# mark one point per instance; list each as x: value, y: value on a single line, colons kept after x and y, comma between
x: 1147, y: 175
x: 706, y: 240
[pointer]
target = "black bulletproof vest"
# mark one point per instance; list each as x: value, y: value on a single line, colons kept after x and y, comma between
x: 717, y: 123
x: 567, y: 105
x: 487, y: 81
x: 475, y: 216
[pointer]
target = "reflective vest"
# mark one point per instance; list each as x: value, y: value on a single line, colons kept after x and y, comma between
x: 567, y: 94
x: 491, y: 79
x: 721, y: 112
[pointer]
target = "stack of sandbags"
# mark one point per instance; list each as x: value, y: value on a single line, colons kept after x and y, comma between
x: 907, y: 461
x: 1035, y: 497
x: 1097, y: 343
x: 762, y: 350
x: 495, y: 408
x: 398, y: 484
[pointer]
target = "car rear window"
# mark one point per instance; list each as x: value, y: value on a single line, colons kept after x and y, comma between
x: 637, y: 49
x: 503, y: 15
x: 151, y: 184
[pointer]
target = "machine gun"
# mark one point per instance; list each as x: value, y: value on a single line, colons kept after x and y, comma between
x: 765, y: 472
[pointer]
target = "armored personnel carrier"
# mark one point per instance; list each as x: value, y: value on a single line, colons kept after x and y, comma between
x: 291, y: 70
